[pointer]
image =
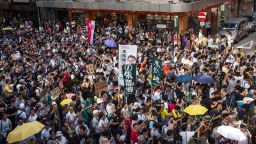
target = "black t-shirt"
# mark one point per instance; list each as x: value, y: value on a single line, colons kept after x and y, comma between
x: 238, y: 96
x: 117, y: 131
x: 11, y: 111
x: 77, y: 139
x: 214, y: 113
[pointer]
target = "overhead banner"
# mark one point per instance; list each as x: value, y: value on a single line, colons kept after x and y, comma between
x: 129, y: 75
x: 90, y: 30
x: 127, y: 55
x: 157, y: 71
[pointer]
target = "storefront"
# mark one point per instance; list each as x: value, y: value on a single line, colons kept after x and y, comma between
x: 150, y: 20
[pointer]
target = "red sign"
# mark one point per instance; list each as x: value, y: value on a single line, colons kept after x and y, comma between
x: 202, y: 16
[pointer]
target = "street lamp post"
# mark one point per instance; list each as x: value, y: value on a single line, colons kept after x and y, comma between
x: 238, y: 7
x: 38, y: 15
x: 254, y: 5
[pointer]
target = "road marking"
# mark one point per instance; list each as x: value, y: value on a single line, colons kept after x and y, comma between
x: 247, y: 45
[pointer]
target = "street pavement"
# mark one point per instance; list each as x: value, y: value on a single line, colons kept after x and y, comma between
x: 245, y: 44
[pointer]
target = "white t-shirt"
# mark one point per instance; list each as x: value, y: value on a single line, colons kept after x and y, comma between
x: 45, y: 134
x: 95, y: 125
x: 210, y: 41
x: 71, y: 116
x: 32, y: 118
x: 5, y: 126
x: 22, y: 114
x: 156, y: 96
x: 62, y: 141
x: 86, y: 127
x: 103, y: 122
x: 186, y: 136
x: 110, y: 108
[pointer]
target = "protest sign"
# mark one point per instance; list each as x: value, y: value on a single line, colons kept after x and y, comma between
x: 55, y: 93
x: 100, y: 86
x: 91, y: 68
x: 157, y: 71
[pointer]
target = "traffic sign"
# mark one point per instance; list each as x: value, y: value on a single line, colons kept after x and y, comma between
x: 202, y: 23
x: 202, y: 16
x: 247, y: 45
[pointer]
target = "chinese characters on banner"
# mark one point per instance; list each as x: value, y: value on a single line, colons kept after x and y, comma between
x: 157, y: 71
x: 129, y: 75
x: 127, y: 55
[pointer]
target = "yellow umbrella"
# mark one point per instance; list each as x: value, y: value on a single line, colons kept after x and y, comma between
x: 24, y: 131
x: 195, y: 110
x: 66, y: 101
x: 7, y: 28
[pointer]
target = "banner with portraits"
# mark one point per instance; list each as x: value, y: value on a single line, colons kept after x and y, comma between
x: 127, y: 55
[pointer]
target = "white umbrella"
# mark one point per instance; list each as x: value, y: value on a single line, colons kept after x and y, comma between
x: 231, y: 133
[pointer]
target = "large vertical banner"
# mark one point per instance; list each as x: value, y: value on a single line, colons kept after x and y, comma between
x: 127, y: 55
x: 90, y: 30
x: 129, y: 75
x: 157, y: 71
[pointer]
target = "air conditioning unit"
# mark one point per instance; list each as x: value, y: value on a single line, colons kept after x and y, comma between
x: 174, y: 1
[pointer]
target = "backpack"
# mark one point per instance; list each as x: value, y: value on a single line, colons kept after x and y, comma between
x: 152, y: 121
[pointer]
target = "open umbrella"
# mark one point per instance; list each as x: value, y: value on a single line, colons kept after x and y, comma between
x: 110, y: 43
x: 66, y: 101
x: 247, y: 100
x: 24, y: 131
x: 204, y: 79
x: 195, y: 110
x: 183, y: 78
x: 170, y: 74
x: 7, y: 29
x: 230, y: 132
x: 69, y: 95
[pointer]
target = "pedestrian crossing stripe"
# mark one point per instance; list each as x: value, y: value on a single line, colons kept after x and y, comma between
x: 247, y: 45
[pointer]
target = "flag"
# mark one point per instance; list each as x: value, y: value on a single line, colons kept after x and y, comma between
x: 157, y: 71
x: 90, y: 30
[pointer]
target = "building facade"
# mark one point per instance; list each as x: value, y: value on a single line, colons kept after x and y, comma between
x: 148, y: 12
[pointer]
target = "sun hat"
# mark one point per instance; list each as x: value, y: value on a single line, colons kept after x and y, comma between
x: 58, y: 133
x: 99, y: 100
x: 22, y: 106
x: 94, y: 112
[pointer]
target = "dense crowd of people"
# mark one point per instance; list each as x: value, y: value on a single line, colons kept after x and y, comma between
x: 34, y: 62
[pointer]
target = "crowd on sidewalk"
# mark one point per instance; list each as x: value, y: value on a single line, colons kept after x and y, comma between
x: 34, y: 62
